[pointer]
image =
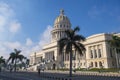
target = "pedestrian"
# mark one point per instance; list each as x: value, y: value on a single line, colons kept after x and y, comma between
x: 0, y: 69
x: 10, y: 69
x: 39, y: 70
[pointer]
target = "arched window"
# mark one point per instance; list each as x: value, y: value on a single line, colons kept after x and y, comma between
x: 60, y: 26
x: 100, y: 64
x: 67, y: 26
x: 91, y: 64
x: 91, y: 54
x: 99, y: 52
x: 63, y: 18
x: 95, y: 64
x: 64, y: 25
x: 95, y: 53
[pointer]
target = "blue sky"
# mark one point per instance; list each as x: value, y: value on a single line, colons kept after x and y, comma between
x: 25, y: 24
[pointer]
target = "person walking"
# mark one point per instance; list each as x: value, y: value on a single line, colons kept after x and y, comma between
x: 10, y: 69
x: 0, y: 69
x: 39, y: 70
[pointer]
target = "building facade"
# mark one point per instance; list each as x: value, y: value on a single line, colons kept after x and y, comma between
x: 99, y: 54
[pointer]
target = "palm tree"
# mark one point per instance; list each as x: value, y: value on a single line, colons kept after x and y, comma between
x: 72, y: 40
x: 26, y: 62
x: 115, y: 42
x: 2, y: 61
x: 15, y: 56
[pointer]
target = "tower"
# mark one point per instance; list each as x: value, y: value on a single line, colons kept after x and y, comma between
x: 61, y: 24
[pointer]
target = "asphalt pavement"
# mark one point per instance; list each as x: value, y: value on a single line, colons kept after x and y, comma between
x: 51, y: 76
x: 19, y: 76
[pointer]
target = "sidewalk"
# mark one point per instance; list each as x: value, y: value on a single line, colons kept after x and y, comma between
x: 86, y: 73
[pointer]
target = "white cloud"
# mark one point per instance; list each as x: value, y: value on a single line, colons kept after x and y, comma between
x: 29, y: 42
x: 2, y: 23
x: 36, y: 48
x: 29, y: 47
x: 12, y: 45
x: 5, y: 9
x: 3, y: 50
x: 9, y: 25
x: 7, y: 47
x: 14, y: 27
x: 46, y: 36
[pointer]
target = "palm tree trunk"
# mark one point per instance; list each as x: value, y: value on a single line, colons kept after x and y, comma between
x: 15, y: 65
x: 71, y: 63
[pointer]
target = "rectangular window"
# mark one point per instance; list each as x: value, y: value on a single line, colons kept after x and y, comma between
x: 91, y: 54
x: 111, y: 52
x: 60, y: 25
x: 49, y: 55
x: 112, y: 63
x: 99, y: 52
x: 95, y: 52
x: 118, y: 50
x: 95, y: 64
x: 67, y: 57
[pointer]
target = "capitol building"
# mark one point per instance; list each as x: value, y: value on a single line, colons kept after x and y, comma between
x: 98, y: 54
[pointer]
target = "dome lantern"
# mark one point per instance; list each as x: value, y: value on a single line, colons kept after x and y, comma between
x: 62, y: 12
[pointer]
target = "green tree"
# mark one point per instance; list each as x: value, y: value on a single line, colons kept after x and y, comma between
x: 115, y: 42
x: 26, y: 62
x: 2, y: 61
x: 15, y: 57
x: 72, y: 40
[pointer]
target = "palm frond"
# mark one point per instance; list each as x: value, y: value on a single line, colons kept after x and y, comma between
x: 115, y: 41
x: 21, y: 57
x: 77, y: 47
x: 68, y: 47
x: 79, y: 38
x: 2, y: 60
x: 76, y: 29
x: 61, y: 44
x: 69, y: 33
x: 17, y: 51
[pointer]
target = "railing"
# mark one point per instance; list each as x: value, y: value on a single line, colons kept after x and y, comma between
x: 81, y: 75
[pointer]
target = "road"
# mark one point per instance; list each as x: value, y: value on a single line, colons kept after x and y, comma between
x: 50, y: 76
x: 19, y: 76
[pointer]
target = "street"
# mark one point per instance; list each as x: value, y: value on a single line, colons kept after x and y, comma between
x: 19, y: 76
x: 50, y: 76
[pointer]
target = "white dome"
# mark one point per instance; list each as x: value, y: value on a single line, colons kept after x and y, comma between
x: 62, y: 18
x: 61, y: 24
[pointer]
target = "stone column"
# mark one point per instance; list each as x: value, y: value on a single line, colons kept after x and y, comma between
x: 97, y: 51
x: 34, y: 58
x: 93, y: 48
